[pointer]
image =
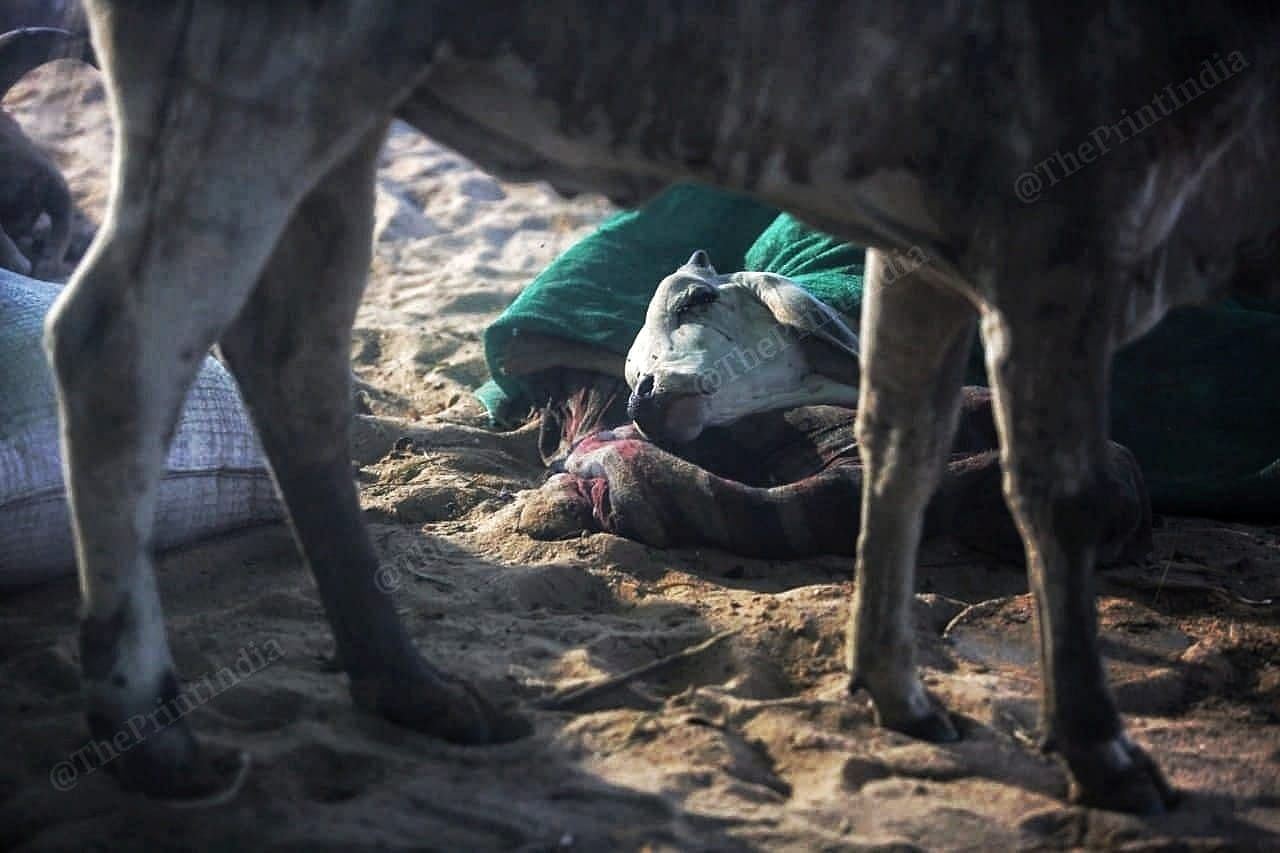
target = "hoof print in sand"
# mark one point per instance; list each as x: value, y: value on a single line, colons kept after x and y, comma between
x: 325, y: 775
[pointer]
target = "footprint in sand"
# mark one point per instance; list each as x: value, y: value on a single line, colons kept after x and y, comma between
x: 251, y: 708
x: 551, y: 587
x: 50, y: 671
x: 329, y: 776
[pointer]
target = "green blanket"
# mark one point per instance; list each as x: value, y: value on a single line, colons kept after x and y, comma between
x: 1197, y: 400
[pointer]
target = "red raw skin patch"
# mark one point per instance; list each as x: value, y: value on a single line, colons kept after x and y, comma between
x: 593, y: 491
x: 630, y: 449
x: 600, y: 506
x: 627, y: 448
x: 596, y: 489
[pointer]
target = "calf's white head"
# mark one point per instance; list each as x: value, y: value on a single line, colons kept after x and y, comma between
x: 715, y: 348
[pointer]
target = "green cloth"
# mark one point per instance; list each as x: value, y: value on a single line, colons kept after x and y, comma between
x: 598, y: 290
x: 1197, y: 400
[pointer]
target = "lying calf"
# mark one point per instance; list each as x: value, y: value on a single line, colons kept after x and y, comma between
x: 744, y: 440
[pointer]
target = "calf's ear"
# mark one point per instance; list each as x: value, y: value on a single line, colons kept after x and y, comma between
x: 701, y: 261
x: 826, y: 338
x: 831, y: 362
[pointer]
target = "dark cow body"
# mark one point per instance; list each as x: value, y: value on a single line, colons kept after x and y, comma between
x: 241, y: 214
x: 706, y: 100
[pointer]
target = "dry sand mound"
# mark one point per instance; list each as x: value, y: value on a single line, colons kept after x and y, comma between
x: 748, y: 742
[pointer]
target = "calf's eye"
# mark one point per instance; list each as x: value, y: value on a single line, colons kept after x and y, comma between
x: 694, y: 298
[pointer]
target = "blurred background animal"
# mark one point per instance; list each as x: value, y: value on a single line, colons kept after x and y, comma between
x: 31, y: 184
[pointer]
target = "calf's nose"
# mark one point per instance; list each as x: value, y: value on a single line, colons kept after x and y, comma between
x: 642, y: 405
x: 644, y: 388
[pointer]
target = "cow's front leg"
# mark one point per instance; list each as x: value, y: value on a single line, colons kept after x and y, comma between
x: 1050, y: 385
x: 916, y: 334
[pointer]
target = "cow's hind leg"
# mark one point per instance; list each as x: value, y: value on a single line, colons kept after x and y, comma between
x: 916, y: 333
x: 290, y: 352
x: 205, y: 180
x: 1050, y: 386
x: 126, y: 339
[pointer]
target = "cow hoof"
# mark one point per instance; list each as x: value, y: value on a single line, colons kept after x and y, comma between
x: 917, y: 715
x: 1117, y: 775
x: 438, y: 704
x: 216, y: 780
x: 169, y: 766
x: 935, y: 727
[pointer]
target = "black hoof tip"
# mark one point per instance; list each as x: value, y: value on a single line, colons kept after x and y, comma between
x: 212, y: 777
x: 1119, y: 776
x: 935, y: 728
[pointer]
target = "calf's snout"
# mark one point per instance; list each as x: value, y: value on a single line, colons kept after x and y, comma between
x: 644, y: 405
x: 644, y: 388
x: 666, y: 416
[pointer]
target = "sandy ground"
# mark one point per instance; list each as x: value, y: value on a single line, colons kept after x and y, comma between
x: 748, y: 743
